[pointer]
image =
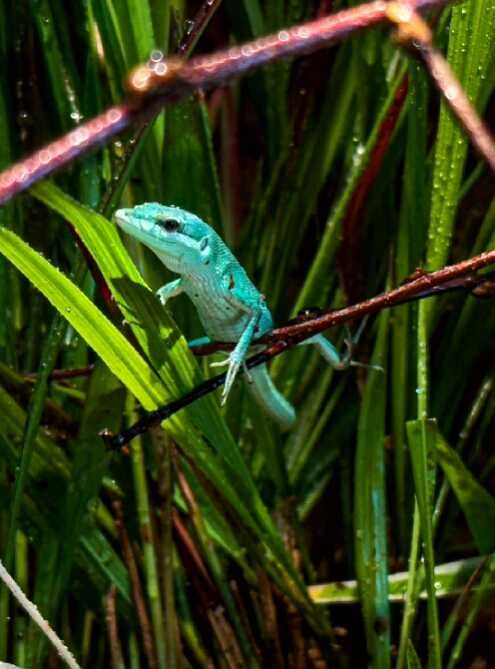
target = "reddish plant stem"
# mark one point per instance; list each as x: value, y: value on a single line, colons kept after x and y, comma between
x: 137, y: 589
x: 63, y: 374
x: 350, y: 257
x: 230, y: 160
x: 168, y: 81
x: 205, y: 589
x: 425, y: 284
x: 116, y: 656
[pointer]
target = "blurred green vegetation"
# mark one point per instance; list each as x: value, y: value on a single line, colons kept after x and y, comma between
x: 196, y: 547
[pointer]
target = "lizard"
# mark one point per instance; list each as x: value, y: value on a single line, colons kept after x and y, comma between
x: 229, y: 306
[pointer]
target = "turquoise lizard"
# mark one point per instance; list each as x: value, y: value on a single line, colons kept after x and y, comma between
x: 229, y: 306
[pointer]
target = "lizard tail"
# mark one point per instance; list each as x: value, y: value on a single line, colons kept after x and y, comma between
x: 269, y: 398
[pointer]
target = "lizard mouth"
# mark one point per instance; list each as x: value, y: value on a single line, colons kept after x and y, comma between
x: 122, y: 219
x: 127, y: 220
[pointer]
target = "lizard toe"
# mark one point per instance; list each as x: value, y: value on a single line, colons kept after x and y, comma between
x: 247, y: 373
x: 220, y: 363
x: 232, y: 371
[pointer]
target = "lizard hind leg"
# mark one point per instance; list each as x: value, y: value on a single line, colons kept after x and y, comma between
x: 338, y: 360
x: 329, y: 352
x: 269, y: 398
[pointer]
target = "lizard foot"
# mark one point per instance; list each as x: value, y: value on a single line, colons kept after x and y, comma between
x: 234, y: 364
x: 162, y: 296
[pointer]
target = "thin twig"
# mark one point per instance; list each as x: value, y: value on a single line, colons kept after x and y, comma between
x: 161, y: 82
x: 427, y: 284
x: 415, y: 34
x: 36, y: 617
x: 196, y: 29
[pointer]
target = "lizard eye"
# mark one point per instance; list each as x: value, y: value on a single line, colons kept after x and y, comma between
x: 170, y: 225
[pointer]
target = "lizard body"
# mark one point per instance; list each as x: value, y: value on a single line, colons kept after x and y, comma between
x: 229, y: 305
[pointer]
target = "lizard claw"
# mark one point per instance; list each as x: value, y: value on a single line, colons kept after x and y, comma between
x: 232, y: 371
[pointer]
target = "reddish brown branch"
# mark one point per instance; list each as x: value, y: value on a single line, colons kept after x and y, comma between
x: 424, y: 284
x: 452, y: 277
x: 168, y: 81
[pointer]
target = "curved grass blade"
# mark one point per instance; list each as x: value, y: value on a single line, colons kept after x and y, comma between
x: 122, y: 358
x: 229, y: 473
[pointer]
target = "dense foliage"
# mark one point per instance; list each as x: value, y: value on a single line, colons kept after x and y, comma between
x: 333, y: 177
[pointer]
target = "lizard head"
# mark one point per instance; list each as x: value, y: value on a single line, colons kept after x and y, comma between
x: 180, y: 239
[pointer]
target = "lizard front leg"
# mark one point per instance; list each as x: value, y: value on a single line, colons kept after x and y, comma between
x: 246, y: 304
x: 238, y: 355
x: 170, y: 290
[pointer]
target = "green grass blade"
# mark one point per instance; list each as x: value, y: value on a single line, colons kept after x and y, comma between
x: 311, y: 293
x: 451, y: 579
x: 413, y: 661
x: 370, y: 513
x: 124, y: 361
x: 471, y: 36
x: 421, y: 435
x: 476, y: 502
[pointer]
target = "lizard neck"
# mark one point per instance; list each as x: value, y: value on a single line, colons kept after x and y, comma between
x: 208, y: 266
x: 201, y: 279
